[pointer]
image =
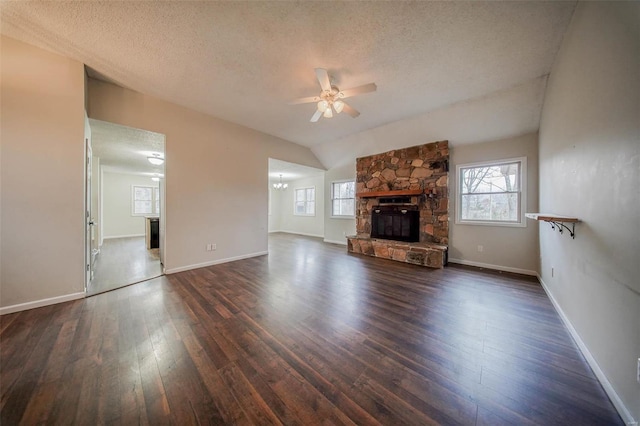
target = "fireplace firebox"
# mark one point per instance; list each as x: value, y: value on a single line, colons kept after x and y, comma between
x: 400, y: 223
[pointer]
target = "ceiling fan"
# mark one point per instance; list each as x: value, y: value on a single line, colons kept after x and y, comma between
x: 331, y: 97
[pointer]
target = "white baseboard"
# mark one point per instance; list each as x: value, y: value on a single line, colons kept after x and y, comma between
x: 213, y: 262
x: 496, y: 267
x: 342, y: 243
x: 111, y: 237
x: 40, y: 303
x: 301, y: 233
x: 627, y: 418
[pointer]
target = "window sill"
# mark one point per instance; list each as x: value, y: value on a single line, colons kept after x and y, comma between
x: 343, y: 217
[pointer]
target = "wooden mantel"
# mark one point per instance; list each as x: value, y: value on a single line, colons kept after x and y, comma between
x: 389, y: 193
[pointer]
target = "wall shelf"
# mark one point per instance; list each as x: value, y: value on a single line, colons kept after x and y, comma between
x: 556, y: 221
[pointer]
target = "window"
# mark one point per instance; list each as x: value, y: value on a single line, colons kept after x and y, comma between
x: 304, y: 202
x: 145, y: 200
x: 492, y: 193
x: 343, y: 199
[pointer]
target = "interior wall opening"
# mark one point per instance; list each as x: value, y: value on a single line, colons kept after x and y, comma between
x: 126, y: 183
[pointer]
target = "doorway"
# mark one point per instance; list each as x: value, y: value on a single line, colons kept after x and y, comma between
x: 125, y: 177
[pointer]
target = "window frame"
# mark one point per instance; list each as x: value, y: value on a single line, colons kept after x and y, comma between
x: 155, y: 198
x: 522, y: 199
x: 295, y: 201
x: 343, y: 216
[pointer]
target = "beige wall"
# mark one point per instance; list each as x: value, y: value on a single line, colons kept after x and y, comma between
x: 590, y: 168
x: 216, y: 175
x: 42, y: 169
x: 506, y: 248
x: 116, y: 196
x: 335, y: 229
x: 304, y: 225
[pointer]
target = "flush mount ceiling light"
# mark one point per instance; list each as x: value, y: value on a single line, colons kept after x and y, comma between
x: 330, y: 98
x: 280, y: 186
x: 156, y: 160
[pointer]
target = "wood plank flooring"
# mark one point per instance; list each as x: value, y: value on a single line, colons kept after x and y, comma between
x: 124, y: 261
x: 306, y: 335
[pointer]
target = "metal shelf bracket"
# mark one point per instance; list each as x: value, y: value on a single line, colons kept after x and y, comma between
x: 561, y: 227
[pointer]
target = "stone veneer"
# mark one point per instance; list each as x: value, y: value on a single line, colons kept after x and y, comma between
x: 425, y: 254
x: 422, y: 167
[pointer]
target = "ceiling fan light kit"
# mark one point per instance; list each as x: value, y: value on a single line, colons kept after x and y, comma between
x: 330, y: 98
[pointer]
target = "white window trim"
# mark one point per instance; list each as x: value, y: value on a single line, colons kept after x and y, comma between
x: 153, y: 201
x: 523, y: 193
x: 315, y: 201
x: 341, y: 216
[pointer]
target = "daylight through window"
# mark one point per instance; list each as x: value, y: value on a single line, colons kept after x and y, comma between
x: 145, y: 200
x: 491, y: 193
x: 343, y: 198
x: 304, y: 202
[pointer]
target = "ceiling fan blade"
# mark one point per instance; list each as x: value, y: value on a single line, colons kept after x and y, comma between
x: 323, y: 79
x: 316, y: 116
x: 371, y: 87
x: 349, y: 110
x: 305, y: 100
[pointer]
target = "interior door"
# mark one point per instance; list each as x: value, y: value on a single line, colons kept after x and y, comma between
x: 91, y: 242
x: 162, y: 220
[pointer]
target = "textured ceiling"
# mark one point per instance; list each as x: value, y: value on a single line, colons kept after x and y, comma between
x: 125, y: 149
x: 243, y: 61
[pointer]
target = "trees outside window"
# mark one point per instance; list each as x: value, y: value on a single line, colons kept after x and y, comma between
x: 491, y: 193
x: 343, y: 199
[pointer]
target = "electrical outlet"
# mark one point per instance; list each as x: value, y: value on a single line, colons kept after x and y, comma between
x: 208, y: 247
x: 480, y: 249
x: 213, y: 247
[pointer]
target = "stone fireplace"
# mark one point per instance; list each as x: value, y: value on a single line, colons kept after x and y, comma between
x: 402, y: 202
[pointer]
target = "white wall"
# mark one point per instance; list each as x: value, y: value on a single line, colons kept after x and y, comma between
x: 304, y: 225
x: 96, y: 176
x: 512, y: 249
x: 42, y: 176
x: 118, y: 221
x: 216, y: 175
x: 335, y: 229
x: 590, y: 168
x: 275, y: 208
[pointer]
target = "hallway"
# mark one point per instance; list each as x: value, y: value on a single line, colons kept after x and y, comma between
x: 123, y: 261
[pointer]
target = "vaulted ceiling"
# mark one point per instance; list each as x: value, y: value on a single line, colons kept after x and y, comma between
x: 244, y: 61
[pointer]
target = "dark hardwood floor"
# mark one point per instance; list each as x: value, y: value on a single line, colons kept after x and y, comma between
x: 306, y: 335
x: 124, y: 261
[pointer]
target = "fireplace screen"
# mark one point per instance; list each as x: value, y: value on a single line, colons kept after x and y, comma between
x: 395, y: 224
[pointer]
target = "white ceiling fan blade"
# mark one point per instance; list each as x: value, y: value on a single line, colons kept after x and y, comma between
x: 305, y: 100
x: 349, y: 110
x: 323, y: 79
x: 371, y: 87
x: 316, y: 116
